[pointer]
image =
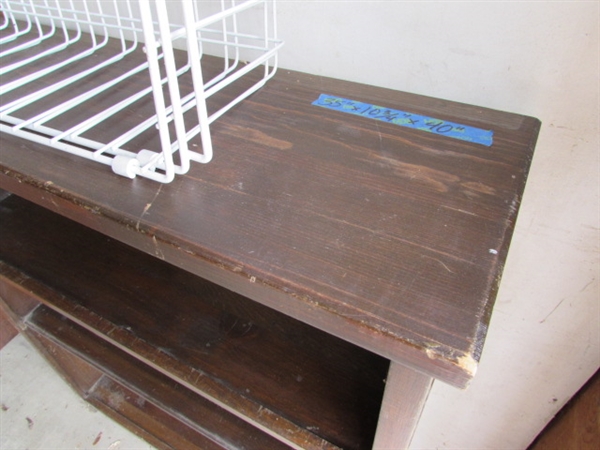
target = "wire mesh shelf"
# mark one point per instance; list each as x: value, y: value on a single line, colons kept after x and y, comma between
x: 73, y: 71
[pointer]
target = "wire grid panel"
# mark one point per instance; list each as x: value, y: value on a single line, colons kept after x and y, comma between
x: 123, y: 82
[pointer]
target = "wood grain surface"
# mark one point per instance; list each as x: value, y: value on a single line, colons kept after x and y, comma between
x: 389, y: 237
x: 307, y: 387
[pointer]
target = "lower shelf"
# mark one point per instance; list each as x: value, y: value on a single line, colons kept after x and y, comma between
x: 138, y: 315
x: 153, y: 405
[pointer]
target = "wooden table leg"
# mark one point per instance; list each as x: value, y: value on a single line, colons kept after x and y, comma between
x: 405, y: 394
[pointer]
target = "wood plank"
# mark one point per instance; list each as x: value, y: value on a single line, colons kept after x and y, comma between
x: 273, y: 370
x: 577, y: 425
x: 15, y: 302
x: 154, y: 406
x: 125, y: 406
x: 405, y: 395
x: 390, y: 237
x: 7, y: 329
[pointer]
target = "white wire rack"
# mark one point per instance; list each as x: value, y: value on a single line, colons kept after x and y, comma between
x: 74, y: 76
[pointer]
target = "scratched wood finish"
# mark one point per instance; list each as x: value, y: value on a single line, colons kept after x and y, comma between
x: 308, y: 387
x: 65, y: 346
x: 151, y: 405
x: 164, y: 412
x: 389, y: 237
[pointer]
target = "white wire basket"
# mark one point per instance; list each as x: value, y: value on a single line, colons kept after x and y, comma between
x: 72, y: 71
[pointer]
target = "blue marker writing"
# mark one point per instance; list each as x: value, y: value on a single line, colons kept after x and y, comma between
x: 407, y: 119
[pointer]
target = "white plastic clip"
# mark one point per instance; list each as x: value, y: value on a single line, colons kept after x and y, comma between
x: 125, y: 166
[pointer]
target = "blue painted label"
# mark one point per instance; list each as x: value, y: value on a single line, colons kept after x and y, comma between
x: 407, y: 119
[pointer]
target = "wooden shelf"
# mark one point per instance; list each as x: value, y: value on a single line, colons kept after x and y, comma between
x: 136, y: 395
x: 275, y: 289
x: 309, y: 388
x: 389, y: 237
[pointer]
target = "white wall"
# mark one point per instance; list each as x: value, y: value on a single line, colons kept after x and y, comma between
x: 534, y: 58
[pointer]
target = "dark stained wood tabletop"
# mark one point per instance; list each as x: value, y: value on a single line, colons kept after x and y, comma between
x: 390, y: 237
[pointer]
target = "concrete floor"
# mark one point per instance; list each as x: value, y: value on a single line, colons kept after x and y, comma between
x: 40, y: 411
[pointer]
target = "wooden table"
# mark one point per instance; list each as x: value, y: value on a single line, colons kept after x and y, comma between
x: 302, y: 290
